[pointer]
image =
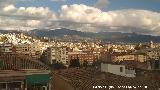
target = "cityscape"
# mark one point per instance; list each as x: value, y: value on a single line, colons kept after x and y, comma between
x: 79, y: 45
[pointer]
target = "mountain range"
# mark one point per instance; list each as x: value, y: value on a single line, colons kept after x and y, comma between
x: 106, y: 36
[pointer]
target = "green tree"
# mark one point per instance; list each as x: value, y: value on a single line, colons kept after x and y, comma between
x: 85, y: 63
x: 58, y: 65
x: 3, y: 39
x: 0, y: 64
x: 96, y: 63
x: 74, y: 63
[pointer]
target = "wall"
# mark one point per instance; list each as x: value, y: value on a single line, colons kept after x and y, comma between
x: 115, y: 69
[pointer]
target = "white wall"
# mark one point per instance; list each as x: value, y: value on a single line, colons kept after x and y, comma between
x: 130, y: 73
x: 115, y: 69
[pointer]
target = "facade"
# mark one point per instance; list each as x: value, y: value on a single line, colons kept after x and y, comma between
x: 24, y: 80
x: 32, y: 50
x: 152, y: 53
x: 82, y: 56
x: 123, y: 57
x: 51, y: 54
x: 130, y: 57
x: 21, y: 72
x: 154, y: 64
x: 140, y: 57
x: 57, y: 54
x: 118, y: 70
x: 10, y: 80
x: 63, y: 55
x: 6, y: 48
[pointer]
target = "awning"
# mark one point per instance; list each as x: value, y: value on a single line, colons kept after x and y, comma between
x: 37, y: 79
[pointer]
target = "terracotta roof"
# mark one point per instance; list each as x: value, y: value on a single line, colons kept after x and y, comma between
x: 85, y: 80
x: 18, y: 62
x: 11, y: 75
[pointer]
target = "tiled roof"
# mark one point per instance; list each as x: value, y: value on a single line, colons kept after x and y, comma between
x: 85, y: 80
x: 19, y: 62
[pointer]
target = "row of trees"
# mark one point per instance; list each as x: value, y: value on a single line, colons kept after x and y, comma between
x: 73, y: 63
x: 76, y: 63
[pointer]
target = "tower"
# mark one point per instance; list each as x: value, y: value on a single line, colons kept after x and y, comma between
x: 152, y: 44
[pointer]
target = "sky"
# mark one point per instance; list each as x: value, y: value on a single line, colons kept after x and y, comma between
x: 140, y: 16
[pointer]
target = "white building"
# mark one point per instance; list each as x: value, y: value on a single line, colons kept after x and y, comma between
x: 63, y: 52
x: 6, y: 48
x: 57, y: 54
x: 123, y: 57
x: 130, y: 57
x: 32, y: 50
x: 118, y: 70
x: 51, y: 54
x: 152, y: 53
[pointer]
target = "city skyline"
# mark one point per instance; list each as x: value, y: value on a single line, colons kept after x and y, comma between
x: 79, y: 44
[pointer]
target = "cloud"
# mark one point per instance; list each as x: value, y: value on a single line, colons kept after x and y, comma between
x: 44, y: 12
x: 101, y: 3
x: 82, y: 18
x: 83, y: 14
x: 9, y: 8
x: 4, y: 3
x: 31, y: 17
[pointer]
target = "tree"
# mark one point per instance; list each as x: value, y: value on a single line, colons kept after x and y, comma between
x: 74, y: 63
x: 58, y: 65
x: 96, y: 63
x: 3, y: 39
x: 44, y: 59
x: 85, y: 63
x: 1, y: 64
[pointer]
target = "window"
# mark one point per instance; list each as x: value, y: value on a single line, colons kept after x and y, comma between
x: 44, y: 88
x: 156, y: 65
x: 121, y: 69
x: 2, y: 85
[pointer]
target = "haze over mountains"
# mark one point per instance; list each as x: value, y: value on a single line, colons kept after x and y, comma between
x: 106, y: 36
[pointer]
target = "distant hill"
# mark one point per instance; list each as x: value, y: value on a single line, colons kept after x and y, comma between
x: 106, y: 36
x: 10, y: 31
x: 59, y: 33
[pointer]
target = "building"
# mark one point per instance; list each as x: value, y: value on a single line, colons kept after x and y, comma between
x: 141, y: 57
x: 22, y: 73
x: 152, y: 53
x: 24, y: 80
x: 63, y: 55
x: 51, y: 54
x: 57, y: 54
x: 154, y: 64
x: 92, y: 79
x: 118, y: 70
x: 32, y: 50
x: 12, y: 80
x: 6, y: 48
x: 123, y: 57
x: 82, y: 56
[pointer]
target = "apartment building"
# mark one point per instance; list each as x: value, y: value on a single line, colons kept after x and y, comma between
x: 129, y: 57
x: 32, y: 50
x: 57, y: 54
x: 152, y: 53
x: 82, y: 56
x: 6, y: 48
x: 118, y: 70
